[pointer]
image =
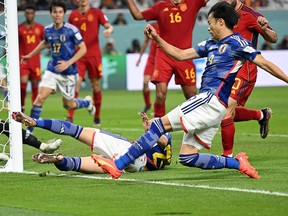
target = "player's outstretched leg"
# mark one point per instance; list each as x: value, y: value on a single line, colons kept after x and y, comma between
x: 264, y: 123
x: 245, y: 167
x: 47, y: 158
x: 107, y: 165
x: 24, y: 119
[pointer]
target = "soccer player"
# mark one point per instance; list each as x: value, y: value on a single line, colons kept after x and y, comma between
x: 149, y: 68
x: 201, y: 115
x: 49, y: 147
x: 62, y: 39
x: 250, y: 25
x: 176, y: 19
x: 30, y: 35
x: 101, y: 142
x: 89, y: 20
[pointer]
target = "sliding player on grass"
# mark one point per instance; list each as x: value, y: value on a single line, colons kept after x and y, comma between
x: 101, y: 142
x: 201, y: 115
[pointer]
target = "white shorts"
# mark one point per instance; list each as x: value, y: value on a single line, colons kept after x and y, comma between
x: 200, y: 117
x: 112, y: 146
x: 66, y: 83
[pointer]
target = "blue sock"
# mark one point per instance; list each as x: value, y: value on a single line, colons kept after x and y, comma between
x: 69, y: 164
x: 142, y: 145
x: 232, y: 163
x: 203, y: 161
x: 35, y: 114
x: 81, y: 103
x: 60, y: 127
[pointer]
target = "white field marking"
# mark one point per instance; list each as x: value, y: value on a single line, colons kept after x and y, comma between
x: 263, y: 192
x: 242, y: 134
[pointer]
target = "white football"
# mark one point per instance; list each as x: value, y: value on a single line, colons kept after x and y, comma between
x: 4, y: 157
x: 138, y: 164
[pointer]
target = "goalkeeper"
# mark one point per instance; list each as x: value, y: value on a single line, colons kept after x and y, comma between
x: 100, y: 142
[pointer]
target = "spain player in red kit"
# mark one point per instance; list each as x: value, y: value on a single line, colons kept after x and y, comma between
x: 250, y: 25
x: 30, y: 34
x: 176, y: 19
x: 88, y: 20
x: 149, y: 68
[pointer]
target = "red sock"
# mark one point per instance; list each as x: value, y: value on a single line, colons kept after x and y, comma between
x: 71, y: 112
x: 146, y: 95
x: 227, y: 133
x: 34, y: 92
x: 97, y: 99
x: 244, y: 114
x: 23, y: 87
x: 159, y: 110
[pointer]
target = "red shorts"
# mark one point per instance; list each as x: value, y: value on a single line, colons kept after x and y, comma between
x: 33, y: 73
x: 149, y: 68
x: 241, y: 90
x: 92, y: 65
x: 165, y: 67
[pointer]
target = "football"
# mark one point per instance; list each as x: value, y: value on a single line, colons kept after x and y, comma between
x: 138, y: 164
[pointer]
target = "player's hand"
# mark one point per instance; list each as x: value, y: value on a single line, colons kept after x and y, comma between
x: 24, y: 59
x: 150, y: 32
x: 107, y: 33
x: 61, y: 66
x: 145, y: 121
x: 262, y: 23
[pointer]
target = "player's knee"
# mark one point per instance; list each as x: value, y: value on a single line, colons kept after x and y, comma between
x: 68, y: 107
x: 188, y: 159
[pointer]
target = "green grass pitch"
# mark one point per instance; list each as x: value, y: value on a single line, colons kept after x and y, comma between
x: 176, y: 190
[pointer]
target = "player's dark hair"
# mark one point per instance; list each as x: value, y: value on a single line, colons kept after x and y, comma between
x: 57, y: 3
x: 226, y: 12
x: 30, y: 7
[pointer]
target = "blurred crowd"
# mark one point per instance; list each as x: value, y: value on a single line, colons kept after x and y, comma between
x: 141, y: 4
x: 72, y: 4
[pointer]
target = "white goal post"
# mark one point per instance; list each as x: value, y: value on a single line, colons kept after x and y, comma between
x: 15, y: 153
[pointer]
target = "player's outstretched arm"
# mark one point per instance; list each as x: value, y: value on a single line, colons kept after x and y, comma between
x: 137, y: 15
x: 270, y: 67
x: 171, y: 50
x: 42, y: 45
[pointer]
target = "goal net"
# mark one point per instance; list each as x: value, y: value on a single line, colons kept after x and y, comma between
x: 11, y: 156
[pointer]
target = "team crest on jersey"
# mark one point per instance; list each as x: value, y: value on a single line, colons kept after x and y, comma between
x: 37, y: 31
x: 75, y: 19
x: 183, y: 7
x: 222, y: 48
x: 166, y: 9
x: 62, y: 38
x: 90, y: 17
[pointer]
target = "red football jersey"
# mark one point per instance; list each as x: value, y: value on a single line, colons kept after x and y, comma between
x: 88, y: 25
x: 248, y: 28
x: 29, y: 38
x: 176, y: 23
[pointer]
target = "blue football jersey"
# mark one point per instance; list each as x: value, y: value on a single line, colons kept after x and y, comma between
x: 158, y: 157
x: 63, y: 44
x: 224, y: 59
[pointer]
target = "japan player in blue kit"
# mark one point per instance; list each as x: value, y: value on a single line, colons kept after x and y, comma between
x: 201, y: 115
x: 100, y: 142
x: 62, y: 39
